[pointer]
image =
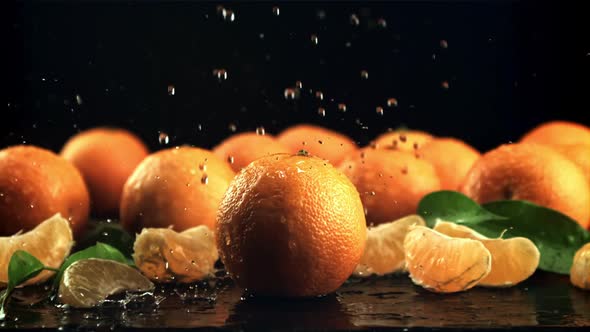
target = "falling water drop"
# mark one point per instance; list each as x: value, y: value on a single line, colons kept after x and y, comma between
x: 204, y: 179
x: 314, y: 39
x: 290, y: 93
x: 382, y: 23
x: 322, y: 111
x: 319, y: 95
x: 342, y: 107
x: 220, y: 74
x: 232, y: 127
x: 354, y: 20
x: 171, y: 90
x: 163, y: 138
x: 260, y: 131
x: 78, y: 100
x: 379, y: 110
x: 444, y: 43
x: 299, y: 85
x: 364, y: 74
x: 276, y: 11
x: 391, y: 102
x: 445, y: 85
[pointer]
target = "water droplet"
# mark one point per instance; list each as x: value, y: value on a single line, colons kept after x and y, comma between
x: 403, y: 138
x: 321, y: 111
x: 372, y: 193
x: 78, y: 100
x: 204, y: 179
x: 203, y: 167
x: 354, y: 20
x: 319, y: 95
x: 391, y: 102
x: 379, y: 110
x: 321, y: 14
x: 405, y: 170
x: 314, y: 39
x: 230, y: 159
x: 445, y: 85
x: 364, y: 74
x: 228, y: 15
x: 342, y: 107
x: 104, y: 234
x: 290, y: 93
x: 232, y: 127
x: 171, y: 90
x: 163, y: 138
x: 220, y: 74
x: 31, y: 205
x: 382, y: 23
x: 444, y: 43
x: 299, y: 85
x: 276, y: 11
x: 347, y: 44
x: 260, y: 131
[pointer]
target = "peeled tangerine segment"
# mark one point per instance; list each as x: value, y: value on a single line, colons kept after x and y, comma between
x: 50, y: 242
x: 88, y: 282
x: 444, y: 264
x: 513, y: 260
x: 580, y: 271
x: 384, y: 250
x: 164, y: 255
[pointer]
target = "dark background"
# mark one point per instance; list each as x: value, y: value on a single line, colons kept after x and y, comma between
x: 509, y: 66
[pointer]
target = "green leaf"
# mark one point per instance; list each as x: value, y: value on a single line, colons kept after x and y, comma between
x: 557, y: 236
x: 21, y: 267
x: 453, y: 206
x: 110, y: 233
x: 100, y: 250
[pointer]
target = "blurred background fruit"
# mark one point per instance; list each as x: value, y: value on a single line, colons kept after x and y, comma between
x: 291, y: 225
x: 105, y: 157
x: 558, y: 132
x: 35, y: 184
x: 241, y: 149
x: 530, y: 172
x: 390, y: 182
x: 179, y: 187
x: 402, y: 139
x: 318, y: 141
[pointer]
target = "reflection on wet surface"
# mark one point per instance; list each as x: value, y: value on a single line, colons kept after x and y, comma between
x: 546, y: 300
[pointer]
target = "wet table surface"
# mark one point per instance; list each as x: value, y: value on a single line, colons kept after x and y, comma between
x: 545, y: 302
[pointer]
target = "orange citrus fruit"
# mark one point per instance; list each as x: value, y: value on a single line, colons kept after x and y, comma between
x: 451, y: 158
x: 241, y: 149
x: 105, y: 157
x: 443, y: 264
x: 384, y: 251
x: 318, y: 141
x: 290, y: 225
x: 558, y: 132
x: 35, y: 184
x: 50, y: 242
x: 390, y: 182
x: 164, y: 255
x: 530, y: 172
x: 580, y: 270
x: 179, y: 187
x: 402, y: 139
x: 513, y: 260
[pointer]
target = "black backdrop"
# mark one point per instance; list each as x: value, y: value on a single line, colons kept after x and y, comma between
x: 509, y: 66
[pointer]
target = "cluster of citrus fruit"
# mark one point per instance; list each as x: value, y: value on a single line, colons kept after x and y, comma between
x: 288, y: 214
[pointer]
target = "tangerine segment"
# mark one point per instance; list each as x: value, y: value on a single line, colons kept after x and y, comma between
x: 50, y: 242
x: 513, y: 260
x: 164, y: 255
x: 580, y: 271
x: 444, y: 264
x: 384, y: 250
x: 88, y: 282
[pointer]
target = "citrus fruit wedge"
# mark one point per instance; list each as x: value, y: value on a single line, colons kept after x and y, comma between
x: 384, y: 250
x: 88, y: 282
x: 513, y: 260
x: 164, y: 255
x: 444, y: 264
x: 580, y: 271
x: 50, y: 242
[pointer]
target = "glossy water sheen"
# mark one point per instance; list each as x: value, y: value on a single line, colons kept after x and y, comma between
x: 546, y: 301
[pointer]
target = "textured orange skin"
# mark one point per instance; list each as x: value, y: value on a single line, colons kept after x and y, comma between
x: 409, y: 138
x: 32, y: 176
x: 167, y: 189
x: 318, y: 141
x: 558, y: 133
x: 290, y: 226
x: 530, y: 172
x: 247, y: 147
x: 397, y: 178
x: 451, y: 158
x: 105, y: 157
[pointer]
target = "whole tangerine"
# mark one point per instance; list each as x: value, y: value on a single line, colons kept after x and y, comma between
x: 530, y: 172
x: 290, y: 225
x: 35, y: 184
x: 557, y: 133
x: 105, y: 157
x: 179, y: 187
